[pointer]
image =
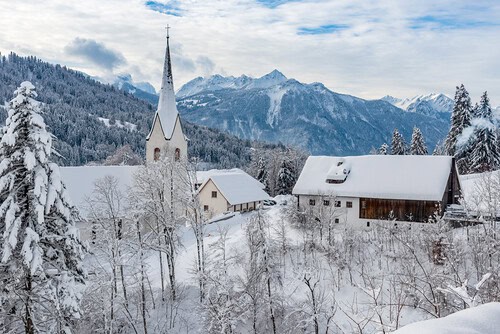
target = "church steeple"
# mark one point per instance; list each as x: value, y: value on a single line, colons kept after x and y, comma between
x: 166, y: 136
x: 167, y: 110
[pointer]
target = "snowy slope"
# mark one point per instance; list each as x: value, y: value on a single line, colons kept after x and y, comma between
x: 482, y: 319
x: 435, y: 104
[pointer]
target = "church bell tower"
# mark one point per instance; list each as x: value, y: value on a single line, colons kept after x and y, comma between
x: 166, y: 136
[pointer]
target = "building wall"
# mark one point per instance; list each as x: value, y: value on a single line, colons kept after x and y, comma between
x: 217, y: 205
x: 351, y: 216
x: 157, y: 140
x: 401, y: 210
x: 343, y: 213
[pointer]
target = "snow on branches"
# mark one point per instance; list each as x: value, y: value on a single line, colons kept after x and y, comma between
x: 41, y: 255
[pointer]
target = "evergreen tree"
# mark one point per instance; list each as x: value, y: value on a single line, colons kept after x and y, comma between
x: 485, y: 153
x: 398, y: 146
x: 418, y: 146
x: 460, y: 118
x: 384, y: 149
x: 262, y: 173
x: 41, y: 271
x: 286, y: 178
x: 439, y: 149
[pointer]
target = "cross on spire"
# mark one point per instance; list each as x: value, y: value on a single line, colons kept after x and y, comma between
x: 168, y: 28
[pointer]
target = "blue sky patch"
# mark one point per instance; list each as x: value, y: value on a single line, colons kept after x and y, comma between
x: 447, y: 22
x: 324, y: 29
x: 274, y: 3
x: 168, y: 8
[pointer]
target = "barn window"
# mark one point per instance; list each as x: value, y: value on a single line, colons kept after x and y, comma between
x: 205, y: 208
x: 177, y: 154
x: 156, y: 156
x: 348, y: 204
x: 338, y: 204
x: 363, y: 204
x: 326, y: 202
x: 312, y: 202
x: 214, y: 194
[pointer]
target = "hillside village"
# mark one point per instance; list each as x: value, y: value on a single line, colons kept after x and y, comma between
x: 323, y: 244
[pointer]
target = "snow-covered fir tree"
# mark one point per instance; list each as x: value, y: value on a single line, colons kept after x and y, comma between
x: 384, y: 149
x: 41, y: 271
x: 485, y: 153
x: 286, y: 177
x: 460, y: 118
x: 398, y: 146
x: 262, y: 173
x: 439, y: 149
x: 418, y: 146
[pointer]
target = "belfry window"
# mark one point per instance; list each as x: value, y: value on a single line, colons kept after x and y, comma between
x: 156, y: 156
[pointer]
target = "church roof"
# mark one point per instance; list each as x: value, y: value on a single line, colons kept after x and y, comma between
x: 166, y: 112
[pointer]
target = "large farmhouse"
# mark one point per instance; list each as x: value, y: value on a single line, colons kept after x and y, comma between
x: 366, y: 189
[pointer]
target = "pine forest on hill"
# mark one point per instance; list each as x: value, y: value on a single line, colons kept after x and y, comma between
x: 92, y: 120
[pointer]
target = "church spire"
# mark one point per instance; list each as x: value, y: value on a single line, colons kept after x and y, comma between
x: 167, y: 110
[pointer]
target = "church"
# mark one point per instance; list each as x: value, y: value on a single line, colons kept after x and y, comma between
x: 166, y: 139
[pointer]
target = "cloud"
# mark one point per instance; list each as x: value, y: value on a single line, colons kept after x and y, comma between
x: 206, y: 65
x: 95, y: 52
x: 324, y: 29
x: 378, y: 53
x: 168, y: 8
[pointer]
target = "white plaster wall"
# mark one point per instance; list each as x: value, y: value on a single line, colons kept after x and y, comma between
x: 217, y: 205
x: 157, y: 139
x: 350, y: 215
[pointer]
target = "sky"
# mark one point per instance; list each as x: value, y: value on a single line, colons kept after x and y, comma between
x: 365, y: 48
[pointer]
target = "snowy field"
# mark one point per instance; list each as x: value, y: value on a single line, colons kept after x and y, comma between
x: 362, y: 284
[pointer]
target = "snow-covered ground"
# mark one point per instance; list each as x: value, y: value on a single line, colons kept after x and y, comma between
x: 483, y: 319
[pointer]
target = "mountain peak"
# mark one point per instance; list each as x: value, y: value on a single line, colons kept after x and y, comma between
x: 274, y: 74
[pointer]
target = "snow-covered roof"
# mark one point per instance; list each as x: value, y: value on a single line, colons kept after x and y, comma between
x: 167, y: 110
x: 482, y: 319
x: 204, y: 175
x: 80, y: 181
x: 408, y: 177
x: 237, y: 187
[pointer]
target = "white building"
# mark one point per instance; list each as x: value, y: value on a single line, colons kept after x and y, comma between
x: 366, y: 189
x: 229, y: 190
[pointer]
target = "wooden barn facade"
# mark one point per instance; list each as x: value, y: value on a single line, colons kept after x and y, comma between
x: 363, y: 190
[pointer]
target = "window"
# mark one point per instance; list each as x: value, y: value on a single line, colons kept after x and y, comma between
x: 205, y: 208
x: 326, y: 202
x: 156, y: 156
x: 338, y: 204
x: 348, y: 204
x: 363, y: 204
x: 367, y: 224
x: 214, y: 194
x: 332, y: 181
x: 177, y: 154
x: 336, y: 220
x: 312, y: 202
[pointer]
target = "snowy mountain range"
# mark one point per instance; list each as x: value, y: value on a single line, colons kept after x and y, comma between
x: 142, y: 90
x: 435, y: 105
x: 277, y: 109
